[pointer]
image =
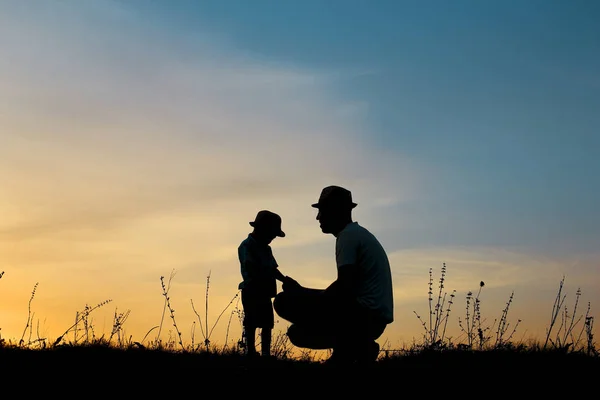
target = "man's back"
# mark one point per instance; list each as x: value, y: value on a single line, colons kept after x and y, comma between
x: 356, y: 245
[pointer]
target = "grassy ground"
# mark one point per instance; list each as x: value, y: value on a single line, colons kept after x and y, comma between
x: 484, y: 361
x: 142, y: 372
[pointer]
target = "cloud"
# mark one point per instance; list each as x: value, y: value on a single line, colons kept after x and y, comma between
x: 110, y: 124
x: 127, y: 153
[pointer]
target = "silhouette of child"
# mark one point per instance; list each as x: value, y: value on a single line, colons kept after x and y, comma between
x: 260, y: 272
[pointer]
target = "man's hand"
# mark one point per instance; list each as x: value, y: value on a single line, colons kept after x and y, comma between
x: 289, y: 284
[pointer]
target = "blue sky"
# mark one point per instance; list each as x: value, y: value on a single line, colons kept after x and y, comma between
x: 139, y: 137
x: 499, y: 99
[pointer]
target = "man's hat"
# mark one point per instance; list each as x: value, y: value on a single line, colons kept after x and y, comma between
x: 268, y: 219
x: 335, y: 196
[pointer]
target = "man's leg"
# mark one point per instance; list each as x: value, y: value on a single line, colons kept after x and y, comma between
x: 356, y: 337
x: 311, y: 336
x: 300, y: 305
x: 367, y: 352
x: 310, y: 314
x: 320, y: 322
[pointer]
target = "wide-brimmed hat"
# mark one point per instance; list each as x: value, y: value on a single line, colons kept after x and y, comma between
x: 335, y: 196
x: 269, y: 220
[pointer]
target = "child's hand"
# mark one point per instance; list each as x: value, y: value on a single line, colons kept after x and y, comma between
x: 289, y: 284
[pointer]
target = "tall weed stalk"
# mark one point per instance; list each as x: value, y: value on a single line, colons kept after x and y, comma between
x: 435, y: 331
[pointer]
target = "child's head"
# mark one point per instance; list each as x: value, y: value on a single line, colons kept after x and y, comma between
x: 267, y: 224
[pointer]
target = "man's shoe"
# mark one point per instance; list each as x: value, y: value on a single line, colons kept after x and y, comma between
x: 367, y: 353
x: 340, y: 358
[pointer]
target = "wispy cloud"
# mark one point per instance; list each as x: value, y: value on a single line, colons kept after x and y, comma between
x: 125, y: 154
x: 110, y: 123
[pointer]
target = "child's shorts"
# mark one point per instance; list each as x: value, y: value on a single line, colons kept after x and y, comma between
x: 258, y: 311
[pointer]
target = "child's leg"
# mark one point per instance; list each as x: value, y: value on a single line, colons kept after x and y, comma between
x: 250, y: 336
x: 265, y: 342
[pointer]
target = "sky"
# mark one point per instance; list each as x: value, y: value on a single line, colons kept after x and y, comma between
x: 139, y: 137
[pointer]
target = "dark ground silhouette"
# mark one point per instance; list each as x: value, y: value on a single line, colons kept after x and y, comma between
x: 97, y: 370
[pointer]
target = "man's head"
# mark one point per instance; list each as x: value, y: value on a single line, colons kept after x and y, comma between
x: 335, y: 209
x: 267, y: 224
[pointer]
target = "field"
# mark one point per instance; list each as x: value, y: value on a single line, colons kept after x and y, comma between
x: 566, y: 361
x: 108, y: 371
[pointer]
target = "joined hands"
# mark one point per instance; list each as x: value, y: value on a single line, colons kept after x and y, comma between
x: 290, y: 284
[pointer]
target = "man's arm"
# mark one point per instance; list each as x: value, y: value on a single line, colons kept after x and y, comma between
x: 346, y: 283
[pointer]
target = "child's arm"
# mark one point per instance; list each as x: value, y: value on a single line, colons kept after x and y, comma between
x: 288, y: 282
x: 278, y: 275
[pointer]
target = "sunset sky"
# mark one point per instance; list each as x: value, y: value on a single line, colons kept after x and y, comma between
x: 139, y: 137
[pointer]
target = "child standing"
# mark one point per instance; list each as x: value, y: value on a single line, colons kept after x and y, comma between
x: 260, y: 272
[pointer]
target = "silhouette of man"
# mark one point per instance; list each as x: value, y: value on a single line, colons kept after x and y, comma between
x: 353, y: 311
x: 259, y: 271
